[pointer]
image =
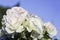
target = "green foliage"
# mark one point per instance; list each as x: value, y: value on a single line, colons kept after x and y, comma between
x: 2, y: 12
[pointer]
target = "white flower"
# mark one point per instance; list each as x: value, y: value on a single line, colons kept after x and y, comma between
x: 34, y: 23
x: 14, y: 18
x: 50, y: 29
x: 16, y: 15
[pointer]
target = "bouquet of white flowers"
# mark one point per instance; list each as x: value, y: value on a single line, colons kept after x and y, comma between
x: 18, y: 24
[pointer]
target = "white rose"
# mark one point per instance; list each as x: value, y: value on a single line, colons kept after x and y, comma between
x: 33, y: 23
x: 14, y: 18
x: 16, y: 15
x: 36, y: 24
x: 50, y: 29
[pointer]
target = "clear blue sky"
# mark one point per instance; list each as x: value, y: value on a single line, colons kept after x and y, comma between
x: 48, y: 10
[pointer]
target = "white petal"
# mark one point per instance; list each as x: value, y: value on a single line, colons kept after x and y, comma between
x: 20, y: 29
x: 9, y: 31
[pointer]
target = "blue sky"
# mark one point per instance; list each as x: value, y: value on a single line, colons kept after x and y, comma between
x: 48, y: 10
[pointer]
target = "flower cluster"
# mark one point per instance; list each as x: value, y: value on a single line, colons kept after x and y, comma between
x: 18, y: 21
